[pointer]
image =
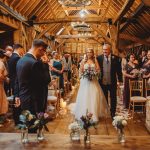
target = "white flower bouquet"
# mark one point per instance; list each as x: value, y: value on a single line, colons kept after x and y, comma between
x: 119, y: 122
x: 75, y: 126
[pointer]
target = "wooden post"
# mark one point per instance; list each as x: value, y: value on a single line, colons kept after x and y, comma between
x: 113, y: 36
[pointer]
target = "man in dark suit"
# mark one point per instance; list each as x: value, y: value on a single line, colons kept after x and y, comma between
x: 16, y: 55
x: 110, y: 66
x: 143, y: 58
x: 30, y: 78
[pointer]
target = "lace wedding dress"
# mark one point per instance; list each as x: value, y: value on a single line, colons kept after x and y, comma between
x: 90, y: 97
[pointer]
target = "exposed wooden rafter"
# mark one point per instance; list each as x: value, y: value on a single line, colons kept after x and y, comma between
x: 124, y: 10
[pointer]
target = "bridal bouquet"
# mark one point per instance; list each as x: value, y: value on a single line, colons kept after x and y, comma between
x: 90, y: 74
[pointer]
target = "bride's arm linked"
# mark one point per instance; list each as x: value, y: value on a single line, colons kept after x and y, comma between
x: 97, y: 66
x: 81, y: 69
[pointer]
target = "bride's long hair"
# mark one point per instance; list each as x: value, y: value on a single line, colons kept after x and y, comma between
x: 93, y: 57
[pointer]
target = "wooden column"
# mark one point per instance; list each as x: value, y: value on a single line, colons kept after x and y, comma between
x: 113, y: 36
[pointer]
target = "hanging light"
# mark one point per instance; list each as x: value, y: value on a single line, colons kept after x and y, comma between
x: 83, y: 13
x: 75, y: 3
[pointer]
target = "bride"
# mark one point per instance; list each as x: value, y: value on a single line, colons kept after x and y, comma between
x: 90, y: 96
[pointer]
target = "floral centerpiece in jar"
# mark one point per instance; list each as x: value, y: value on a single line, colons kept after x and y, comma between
x: 40, y: 123
x: 86, y: 123
x: 26, y: 121
x: 75, y: 131
x: 119, y: 123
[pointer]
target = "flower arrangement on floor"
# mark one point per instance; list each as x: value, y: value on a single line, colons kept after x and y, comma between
x: 75, y: 131
x: 26, y: 120
x: 36, y: 123
x: 86, y: 123
x: 119, y: 123
x: 40, y: 124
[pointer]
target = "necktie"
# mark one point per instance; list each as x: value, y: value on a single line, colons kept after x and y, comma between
x: 107, y: 59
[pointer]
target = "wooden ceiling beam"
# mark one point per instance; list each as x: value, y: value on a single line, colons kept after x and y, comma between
x: 65, y: 20
x: 137, y: 11
x: 37, y: 9
x: 99, y: 4
x: 80, y: 8
x: 29, y: 10
x: 50, y: 6
x: 124, y: 10
x: 133, y: 39
x: 74, y: 36
x: 146, y: 2
x: 29, y: 6
x: 101, y: 33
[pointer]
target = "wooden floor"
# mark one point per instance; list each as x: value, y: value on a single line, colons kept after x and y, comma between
x: 60, y: 125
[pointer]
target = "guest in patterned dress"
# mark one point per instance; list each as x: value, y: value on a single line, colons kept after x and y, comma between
x: 3, y: 77
x: 129, y: 74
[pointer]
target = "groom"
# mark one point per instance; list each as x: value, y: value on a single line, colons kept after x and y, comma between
x: 110, y: 66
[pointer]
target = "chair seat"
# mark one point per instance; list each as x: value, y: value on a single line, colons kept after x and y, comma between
x: 148, y: 97
x: 10, y: 98
x: 138, y: 99
x: 52, y: 99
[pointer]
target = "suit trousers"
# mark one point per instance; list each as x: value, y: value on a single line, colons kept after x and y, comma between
x: 112, y: 88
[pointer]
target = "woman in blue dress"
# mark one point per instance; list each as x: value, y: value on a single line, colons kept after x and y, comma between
x: 57, y: 69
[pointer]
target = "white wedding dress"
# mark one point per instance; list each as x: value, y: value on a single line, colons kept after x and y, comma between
x: 90, y: 97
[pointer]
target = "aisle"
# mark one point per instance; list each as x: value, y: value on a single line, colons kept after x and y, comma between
x: 60, y: 124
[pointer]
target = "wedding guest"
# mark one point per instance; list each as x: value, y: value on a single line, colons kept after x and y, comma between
x: 143, y: 58
x: 31, y: 78
x: 146, y: 66
x: 8, y: 51
x: 57, y: 69
x: 129, y: 72
x: 3, y: 77
x: 67, y: 62
x: 16, y: 55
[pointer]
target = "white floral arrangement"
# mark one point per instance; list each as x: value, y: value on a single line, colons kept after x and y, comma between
x: 119, y: 122
x: 75, y: 126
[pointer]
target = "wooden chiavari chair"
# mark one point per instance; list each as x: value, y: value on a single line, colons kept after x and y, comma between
x: 147, y: 89
x: 136, y: 87
x: 53, y: 98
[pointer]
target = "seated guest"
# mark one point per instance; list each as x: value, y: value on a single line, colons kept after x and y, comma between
x: 129, y: 72
x: 16, y: 55
x: 30, y: 78
x: 57, y: 69
x: 3, y: 77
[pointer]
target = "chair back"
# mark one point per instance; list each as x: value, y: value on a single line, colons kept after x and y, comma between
x: 147, y: 87
x: 136, y: 86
